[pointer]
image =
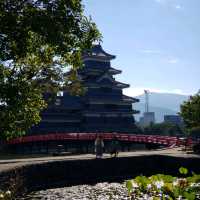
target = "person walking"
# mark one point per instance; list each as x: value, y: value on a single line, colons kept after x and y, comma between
x: 99, y: 145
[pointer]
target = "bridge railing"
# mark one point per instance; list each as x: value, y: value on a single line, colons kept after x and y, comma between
x: 155, y: 139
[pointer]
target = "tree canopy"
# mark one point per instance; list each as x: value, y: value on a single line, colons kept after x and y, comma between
x: 190, y: 112
x: 164, y: 129
x: 38, y: 39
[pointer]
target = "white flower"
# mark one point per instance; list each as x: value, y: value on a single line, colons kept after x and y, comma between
x: 146, y: 197
x: 8, y: 193
x: 180, y: 197
x: 134, y: 184
x: 175, y: 183
x: 1, y: 196
x: 159, y: 184
x: 192, y: 184
x: 149, y: 186
x: 195, y: 184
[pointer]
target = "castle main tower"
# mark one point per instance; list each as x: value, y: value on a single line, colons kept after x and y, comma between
x: 103, y: 108
x: 106, y: 109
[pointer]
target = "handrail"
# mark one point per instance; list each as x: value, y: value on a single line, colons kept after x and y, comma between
x: 155, y: 139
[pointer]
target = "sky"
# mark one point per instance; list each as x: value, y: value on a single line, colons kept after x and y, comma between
x: 157, y: 42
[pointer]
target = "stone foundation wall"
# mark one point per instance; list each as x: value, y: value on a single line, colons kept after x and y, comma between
x: 73, y: 172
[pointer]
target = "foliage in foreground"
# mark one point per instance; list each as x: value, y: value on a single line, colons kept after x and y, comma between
x: 190, y: 112
x: 38, y: 39
x: 165, y: 187
x: 5, y: 195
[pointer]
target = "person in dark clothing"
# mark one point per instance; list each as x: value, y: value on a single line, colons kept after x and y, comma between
x: 114, y: 149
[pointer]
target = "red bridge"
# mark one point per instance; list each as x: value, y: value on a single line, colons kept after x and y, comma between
x: 153, y: 139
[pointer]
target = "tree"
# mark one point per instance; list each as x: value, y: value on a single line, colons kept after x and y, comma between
x: 195, y: 132
x: 164, y: 129
x: 38, y: 40
x: 190, y: 112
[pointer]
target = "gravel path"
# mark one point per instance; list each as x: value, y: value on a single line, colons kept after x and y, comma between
x: 100, y: 191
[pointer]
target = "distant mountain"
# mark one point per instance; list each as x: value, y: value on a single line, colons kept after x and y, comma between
x: 160, y: 103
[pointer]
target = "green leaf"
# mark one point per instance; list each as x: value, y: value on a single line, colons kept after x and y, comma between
x: 189, y: 196
x: 176, y: 192
x: 183, y: 170
x: 142, y: 181
x: 129, y: 186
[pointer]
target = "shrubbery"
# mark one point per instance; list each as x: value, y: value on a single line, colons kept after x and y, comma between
x: 5, y: 195
x: 165, y: 187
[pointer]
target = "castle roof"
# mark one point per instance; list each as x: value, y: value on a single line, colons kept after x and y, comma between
x: 114, y: 71
x: 97, y: 52
x: 132, y: 99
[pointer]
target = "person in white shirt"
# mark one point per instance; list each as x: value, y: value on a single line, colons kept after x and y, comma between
x: 99, y: 145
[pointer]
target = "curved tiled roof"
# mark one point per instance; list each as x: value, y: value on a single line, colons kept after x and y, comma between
x: 98, y: 52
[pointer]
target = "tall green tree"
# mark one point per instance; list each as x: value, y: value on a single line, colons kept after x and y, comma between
x: 190, y: 112
x: 38, y: 40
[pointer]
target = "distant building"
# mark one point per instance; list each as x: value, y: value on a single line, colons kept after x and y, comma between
x: 147, y: 119
x: 174, y: 119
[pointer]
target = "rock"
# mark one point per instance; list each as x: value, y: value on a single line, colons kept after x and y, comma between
x: 100, y: 191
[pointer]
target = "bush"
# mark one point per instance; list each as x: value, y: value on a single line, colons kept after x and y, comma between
x: 195, y: 132
x: 165, y: 187
x: 5, y: 195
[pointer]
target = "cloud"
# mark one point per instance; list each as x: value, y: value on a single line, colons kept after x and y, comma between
x: 159, y: 1
x: 170, y: 58
x: 169, y: 3
x: 178, y: 7
x: 135, y: 91
x: 173, y: 60
x: 150, y: 51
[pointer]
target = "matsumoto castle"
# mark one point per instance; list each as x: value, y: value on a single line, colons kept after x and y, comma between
x: 103, y: 108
